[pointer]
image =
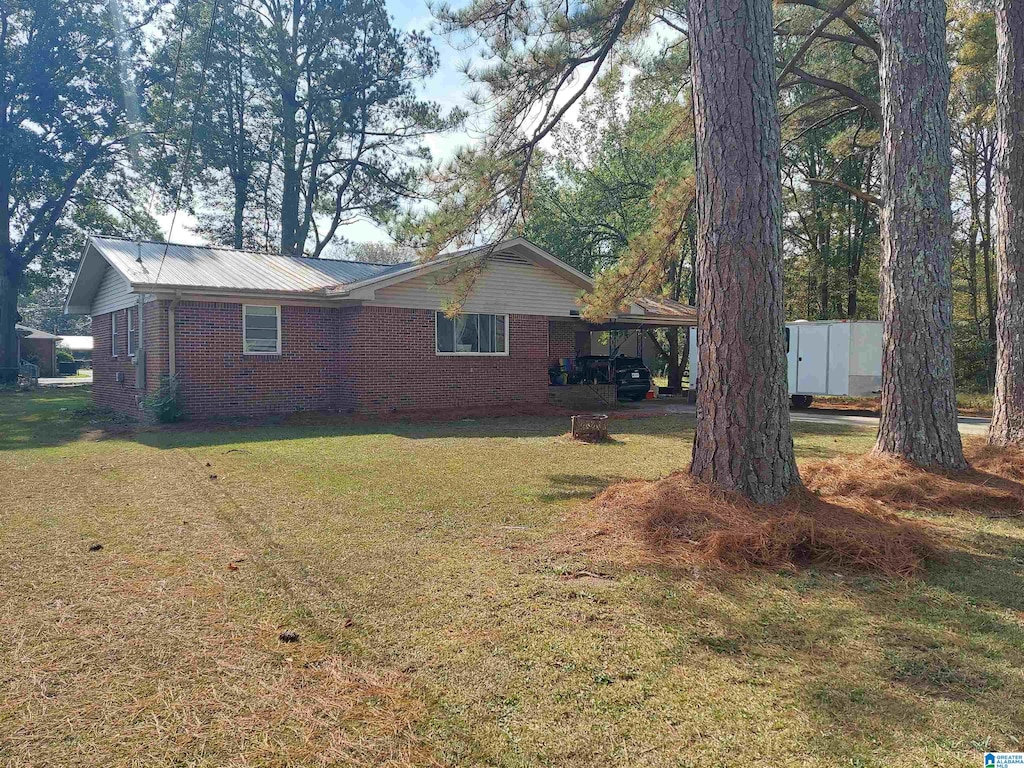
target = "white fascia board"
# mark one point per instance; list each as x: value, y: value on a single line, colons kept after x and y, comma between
x: 229, y: 296
x: 652, y: 320
x: 78, y: 309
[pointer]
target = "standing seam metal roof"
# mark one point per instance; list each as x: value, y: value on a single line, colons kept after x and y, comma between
x: 191, y: 266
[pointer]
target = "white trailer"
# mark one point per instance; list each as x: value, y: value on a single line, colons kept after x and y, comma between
x: 826, y: 357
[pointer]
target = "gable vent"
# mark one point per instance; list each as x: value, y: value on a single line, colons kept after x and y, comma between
x: 509, y: 258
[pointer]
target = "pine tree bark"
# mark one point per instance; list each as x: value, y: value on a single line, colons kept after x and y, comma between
x: 743, y: 441
x: 1008, y: 405
x: 291, y: 174
x: 986, y: 245
x: 919, y: 414
x: 10, y: 268
x: 10, y: 277
x: 241, y: 186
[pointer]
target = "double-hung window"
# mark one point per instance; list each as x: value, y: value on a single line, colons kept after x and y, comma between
x: 261, y: 329
x: 133, y: 333
x: 472, y: 334
x: 113, y: 334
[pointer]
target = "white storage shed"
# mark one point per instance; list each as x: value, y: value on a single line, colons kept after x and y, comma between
x: 826, y: 357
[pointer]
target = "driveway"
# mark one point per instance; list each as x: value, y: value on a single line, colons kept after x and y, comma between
x: 969, y: 425
x: 65, y: 381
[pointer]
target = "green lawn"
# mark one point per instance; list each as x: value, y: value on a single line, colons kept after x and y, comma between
x: 441, y: 621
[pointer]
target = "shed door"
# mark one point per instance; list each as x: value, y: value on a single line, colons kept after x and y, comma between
x: 812, y: 359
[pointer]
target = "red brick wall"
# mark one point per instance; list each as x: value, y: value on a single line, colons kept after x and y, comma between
x: 389, y: 363
x: 561, y: 340
x: 366, y: 360
x: 43, y: 351
x: 217, y: 379
x: 123, y: 396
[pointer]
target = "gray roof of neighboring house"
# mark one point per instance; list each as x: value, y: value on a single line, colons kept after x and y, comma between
x: 33, y: 333
x: 192, y: 266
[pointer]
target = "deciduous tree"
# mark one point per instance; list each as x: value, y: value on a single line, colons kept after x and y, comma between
x: 68, y: 119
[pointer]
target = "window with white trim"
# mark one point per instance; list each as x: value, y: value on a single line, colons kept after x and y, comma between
x: 133, y: 333
x: 261, y: 329
x: 113, y: 334
x: 471, y: 334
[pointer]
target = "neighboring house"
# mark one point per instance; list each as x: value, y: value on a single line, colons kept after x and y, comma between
x: 38, y: 347
x: 254, y: 333
x: 80, y: 348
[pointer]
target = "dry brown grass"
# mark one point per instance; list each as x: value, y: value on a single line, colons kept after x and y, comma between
x: 846, y: 516
x: 153, y: 651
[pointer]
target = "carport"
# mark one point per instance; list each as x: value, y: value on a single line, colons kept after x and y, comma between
x: 574, y: 338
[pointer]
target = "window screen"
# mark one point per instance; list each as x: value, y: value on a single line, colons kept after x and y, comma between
x: 472, y: 334
x: 133, y: 333
x: 262, y: 330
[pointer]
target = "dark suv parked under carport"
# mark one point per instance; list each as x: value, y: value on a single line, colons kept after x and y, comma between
x: 631, y: 377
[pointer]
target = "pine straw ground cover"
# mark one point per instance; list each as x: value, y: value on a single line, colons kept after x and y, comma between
x: 442, y: 619
x: 846, y: 515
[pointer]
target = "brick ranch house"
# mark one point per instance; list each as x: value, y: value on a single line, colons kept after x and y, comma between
x: 250, y: 334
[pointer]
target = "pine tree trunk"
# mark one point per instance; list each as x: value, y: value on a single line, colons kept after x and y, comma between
x: 986, y: 250
x: 10, y: 269
x: 919, y: 414
x: 9, y: 282
x: 1008, y: 405
x: 743, y: 441
x: 241, y: 184
x: 290, y: 176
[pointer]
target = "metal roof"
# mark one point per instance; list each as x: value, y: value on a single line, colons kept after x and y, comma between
x: 667, y: 308
x: 152, y: 267
x: 173, y: 265
x: 33, y: 333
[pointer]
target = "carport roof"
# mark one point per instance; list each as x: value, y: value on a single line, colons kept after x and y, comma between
x: 651, y: 312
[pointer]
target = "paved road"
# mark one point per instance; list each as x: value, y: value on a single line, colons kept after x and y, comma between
x: 969, y: 425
